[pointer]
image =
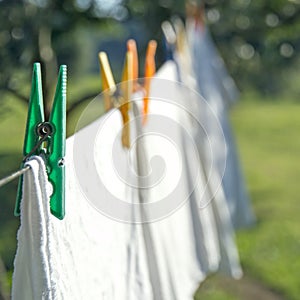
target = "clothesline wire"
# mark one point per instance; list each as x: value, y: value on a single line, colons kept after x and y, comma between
x: 13, y: 176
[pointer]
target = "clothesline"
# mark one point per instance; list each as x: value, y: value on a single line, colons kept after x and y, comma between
x: 13, y: 176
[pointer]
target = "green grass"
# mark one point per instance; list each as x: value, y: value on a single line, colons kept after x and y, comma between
x: 267, y: 134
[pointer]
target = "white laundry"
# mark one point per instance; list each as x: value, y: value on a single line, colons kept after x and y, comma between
x: 189, y: 241
x: 133, y: 228
x: 218, y: 88
x: 31, y: 276
x: 86, y: 255
x: 91, y: 256
x: 212, y: 217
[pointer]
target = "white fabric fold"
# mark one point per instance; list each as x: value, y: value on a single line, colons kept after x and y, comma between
x: 213, y: 230
x: 86, y: 255
x: 31, y: 278
x: 219, y: 90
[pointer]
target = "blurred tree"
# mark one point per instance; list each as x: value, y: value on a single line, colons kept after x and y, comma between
x: 43, y: 31
x: 259, y: 39
x: 152, y: 14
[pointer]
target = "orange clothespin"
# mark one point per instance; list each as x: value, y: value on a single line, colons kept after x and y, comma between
x: 126, y: 87
x: 111, y: 96
x: 197, y: 12
x: 149, y: 71
x: 131, y: 47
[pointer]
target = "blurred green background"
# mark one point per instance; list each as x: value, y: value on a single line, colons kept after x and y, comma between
x: 259, y: 41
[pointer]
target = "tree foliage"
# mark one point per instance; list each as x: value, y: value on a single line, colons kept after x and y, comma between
x: 43, y: 31
x: 258, y: 38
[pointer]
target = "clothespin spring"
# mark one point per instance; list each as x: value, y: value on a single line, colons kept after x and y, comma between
x: 44, y: 130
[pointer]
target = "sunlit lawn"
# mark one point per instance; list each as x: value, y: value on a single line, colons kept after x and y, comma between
x: 267, y: 134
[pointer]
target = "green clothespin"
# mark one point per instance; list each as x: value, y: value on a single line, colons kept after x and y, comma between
x: 47, y: 139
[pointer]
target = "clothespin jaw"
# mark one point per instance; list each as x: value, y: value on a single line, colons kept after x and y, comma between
x: 196, y: 11
x: 112, y: 98
x: 149, y: 73
x: 47, y: 139
x: 169, y: 39
x: 169, y: 32
x: 57, y: 146
x: 35, y: 116
x: 181, y: 40
x: 132, y: 48
x: 35, y: 111
x: 127, y: 87
x: 108, y: 82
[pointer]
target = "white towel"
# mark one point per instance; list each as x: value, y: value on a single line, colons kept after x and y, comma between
x: 210, y: 217
x: 31, y: 278
x: 218, y: 88
x: 87, y: 255
x: 177, y: 268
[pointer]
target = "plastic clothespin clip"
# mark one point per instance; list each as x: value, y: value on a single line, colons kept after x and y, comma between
x: 169, y: 39
x: 169, y: 32
x: 149, y: 71
x: 131, y: 47
x: 196, y: 11
x: 111, y: 96
x: 47, y: 139
x: 108, y: 82
x: 126, y: 87
x: 181, y: 38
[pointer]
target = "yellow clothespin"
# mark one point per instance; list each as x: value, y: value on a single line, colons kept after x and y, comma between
x: 111, y: 96
x: 149, y: 71
x: 108, y: 82
x: 181, y: 41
